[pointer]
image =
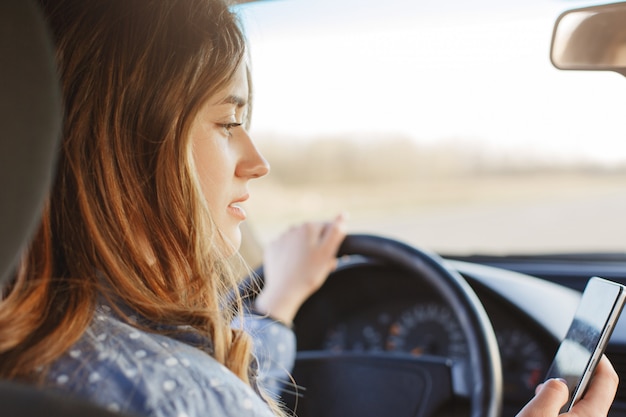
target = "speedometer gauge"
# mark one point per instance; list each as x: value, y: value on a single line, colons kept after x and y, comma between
x: 428, y: 329
x: 363, y: 333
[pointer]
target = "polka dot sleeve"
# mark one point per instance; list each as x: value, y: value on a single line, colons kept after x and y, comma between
x: 275, y: 349
x: 144, y: 374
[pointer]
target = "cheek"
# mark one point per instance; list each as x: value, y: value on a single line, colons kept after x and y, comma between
x: 212, y: 168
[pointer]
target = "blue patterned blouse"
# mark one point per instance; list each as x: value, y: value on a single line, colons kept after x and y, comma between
x: 125, y: 369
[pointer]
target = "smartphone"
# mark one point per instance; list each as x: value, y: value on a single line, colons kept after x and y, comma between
x: 578, y: 355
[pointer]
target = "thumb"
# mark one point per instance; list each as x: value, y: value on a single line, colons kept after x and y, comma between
x: 549, y: 399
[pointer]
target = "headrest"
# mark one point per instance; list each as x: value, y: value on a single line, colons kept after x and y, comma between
x: 30, y: 124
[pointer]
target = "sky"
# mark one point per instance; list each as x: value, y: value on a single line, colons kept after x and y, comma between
x: 431, y: 71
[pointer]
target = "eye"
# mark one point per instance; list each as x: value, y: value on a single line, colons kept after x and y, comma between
x: 228, y: 127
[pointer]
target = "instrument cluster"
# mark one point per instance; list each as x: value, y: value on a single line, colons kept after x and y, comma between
x: 374, y: 309
x: 428, y: 327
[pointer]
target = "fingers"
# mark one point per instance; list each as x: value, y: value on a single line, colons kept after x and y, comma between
x: 549, y: 399
x: 334, y: 232
x: 553, y: 394
x: 601, y: 392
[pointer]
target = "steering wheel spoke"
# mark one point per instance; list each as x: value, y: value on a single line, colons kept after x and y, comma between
x: 352, y: 384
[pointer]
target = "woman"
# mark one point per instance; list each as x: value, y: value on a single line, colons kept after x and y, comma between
x: 125, y: 295
x: 125, y: 285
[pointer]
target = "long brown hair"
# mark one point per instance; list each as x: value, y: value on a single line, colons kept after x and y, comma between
x: 126, y: 218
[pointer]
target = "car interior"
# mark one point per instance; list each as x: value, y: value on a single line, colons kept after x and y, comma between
x: 396, y: 329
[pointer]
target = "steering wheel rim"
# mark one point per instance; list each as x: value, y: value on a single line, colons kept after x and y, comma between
x: 486, y: 388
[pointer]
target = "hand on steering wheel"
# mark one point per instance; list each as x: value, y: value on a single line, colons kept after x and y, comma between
x: 296, y: 265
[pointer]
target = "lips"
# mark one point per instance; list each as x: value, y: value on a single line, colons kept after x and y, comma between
x: 237, y: 211
x: 235, y: 208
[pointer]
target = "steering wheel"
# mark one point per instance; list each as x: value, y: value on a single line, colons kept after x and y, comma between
x: 374, y: 384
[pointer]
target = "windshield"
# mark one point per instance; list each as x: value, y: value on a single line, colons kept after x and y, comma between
x: 442, y: 124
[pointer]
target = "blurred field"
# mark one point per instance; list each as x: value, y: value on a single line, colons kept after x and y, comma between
x: 450, y: 198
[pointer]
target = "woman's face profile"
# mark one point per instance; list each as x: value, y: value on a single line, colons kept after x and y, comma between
x: 225, y: 157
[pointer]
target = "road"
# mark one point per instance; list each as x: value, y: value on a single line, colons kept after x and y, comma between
x: 576, y: 223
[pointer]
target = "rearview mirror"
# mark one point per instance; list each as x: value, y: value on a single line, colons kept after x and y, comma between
x: 591, y: 38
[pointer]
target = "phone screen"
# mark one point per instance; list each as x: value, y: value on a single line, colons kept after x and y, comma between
x: 586, y: 339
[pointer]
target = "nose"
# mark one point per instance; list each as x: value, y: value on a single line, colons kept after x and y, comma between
x: 252, y: 163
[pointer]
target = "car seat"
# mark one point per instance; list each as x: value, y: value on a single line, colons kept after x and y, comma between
x: 30, y: 126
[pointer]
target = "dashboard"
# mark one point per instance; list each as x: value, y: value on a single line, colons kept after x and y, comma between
x: 370, y: 307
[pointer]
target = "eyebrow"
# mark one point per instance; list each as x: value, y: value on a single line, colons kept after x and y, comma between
x: 236, y: 100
